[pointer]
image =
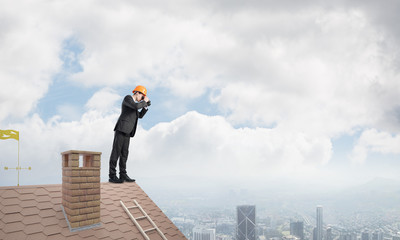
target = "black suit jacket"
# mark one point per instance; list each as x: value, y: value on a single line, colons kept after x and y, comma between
x: 128, y: 119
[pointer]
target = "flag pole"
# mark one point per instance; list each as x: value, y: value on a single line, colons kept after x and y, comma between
x: 18, y: 161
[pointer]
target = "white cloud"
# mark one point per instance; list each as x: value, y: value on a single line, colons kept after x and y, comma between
x: 104, y: 100
x: 374, y: 141
x: 42, y: 142
x: 69, y: 112
x: 329, y: 63
x: 29, y: 46
x: 199, y: 145
x: 193, y: 145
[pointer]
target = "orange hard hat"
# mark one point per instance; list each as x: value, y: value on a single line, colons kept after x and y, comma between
x: 140, y: 89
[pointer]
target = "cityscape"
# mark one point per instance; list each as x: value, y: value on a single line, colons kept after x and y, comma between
x: 360, y: 218
x: 245, y: 223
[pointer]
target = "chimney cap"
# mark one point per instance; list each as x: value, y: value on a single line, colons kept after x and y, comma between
x: 80, y: 152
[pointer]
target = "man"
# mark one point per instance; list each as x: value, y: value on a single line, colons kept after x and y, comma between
x: 133, y: 107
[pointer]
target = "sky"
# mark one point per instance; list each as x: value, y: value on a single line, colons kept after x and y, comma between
x: 252, y: 93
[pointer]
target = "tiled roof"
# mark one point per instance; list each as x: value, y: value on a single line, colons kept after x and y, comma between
x: 34, y: 212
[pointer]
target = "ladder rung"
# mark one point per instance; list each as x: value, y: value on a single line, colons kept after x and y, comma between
x: 151, y: 229
x: 142, y: 217
x: 132, y: 207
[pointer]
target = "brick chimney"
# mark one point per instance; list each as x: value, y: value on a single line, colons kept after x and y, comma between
x: 81, y: 189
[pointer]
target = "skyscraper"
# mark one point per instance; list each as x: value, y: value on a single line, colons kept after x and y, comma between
x: 201, y: 233
x: 319, y: 229
x: 329, y: 235
x: 297, y: 229
x: 377, y: 235
x: 365, y: 235
x: 246, y: 222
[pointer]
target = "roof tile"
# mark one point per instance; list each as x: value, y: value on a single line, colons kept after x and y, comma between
x: 111, y: 226
x: 66, y: 232
x: 125, y: 228
x: 43, y: 199
x: 31, y: 219
x: 24, y: 190
x: 9, y: 201
x: 62, y: 224
x: 33, y: 228
x: 155, y: 236
x: 50, y: 221
x: 10, y: 218
x: 11, y: 209
x: 36, y: 236
x: 101, y: 233
x: 119, y: 220
x: 55, y: 236
x: 74, y: 237
x: 29, y: 196
x: 11, y: 193
x: 107, y: 201
x: 15, y: 235
x: 28, y: 203
x: 60, y: 215
x: 116, y: 234
x: 13, y: 227
x: 41, y: 192
x: 47, y: 213
x: 51, y: 230
x: 57, y: 194
x: 30, y: 211
x: 85, y: 234
x: 45, y: 205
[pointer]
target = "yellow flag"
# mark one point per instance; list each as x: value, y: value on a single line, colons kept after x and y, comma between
x: 7, y: 134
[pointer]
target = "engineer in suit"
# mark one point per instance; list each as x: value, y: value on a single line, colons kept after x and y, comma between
x: 133, y: 107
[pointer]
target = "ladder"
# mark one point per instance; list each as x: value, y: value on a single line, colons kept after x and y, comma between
x: 145, y: 216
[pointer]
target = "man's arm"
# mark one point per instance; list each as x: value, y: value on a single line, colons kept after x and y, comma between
x: 128, y: 101
x: 142, y: 113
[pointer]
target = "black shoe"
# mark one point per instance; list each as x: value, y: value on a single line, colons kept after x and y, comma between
x: 126, y: 178
x: 114, y: 179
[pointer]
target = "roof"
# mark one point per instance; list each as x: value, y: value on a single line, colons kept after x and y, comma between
x: 34, y: 212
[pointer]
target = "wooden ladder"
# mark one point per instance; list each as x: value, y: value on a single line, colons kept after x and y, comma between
x: 145, y: 216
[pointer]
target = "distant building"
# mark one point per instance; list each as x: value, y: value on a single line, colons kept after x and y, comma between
x: 314, y: 234
x: 246, y: 222
x: 348, y: 236
x: 201, y: 233
x: 377, y: 235
x: 319, y: 228
x: 397, y: 237
x: 297, y: 229
x: 365, y: 235
x: 329, y: 235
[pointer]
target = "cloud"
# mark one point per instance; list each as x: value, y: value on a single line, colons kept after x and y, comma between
x: 308, y: 65
x: 103, y: 100
x: 29, y: 57
x: 203, y: 146
x: 375, y: 141
x: 193, y: 145
x: 42, y: 142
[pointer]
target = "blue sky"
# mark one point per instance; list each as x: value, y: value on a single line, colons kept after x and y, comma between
x: 259, y: 91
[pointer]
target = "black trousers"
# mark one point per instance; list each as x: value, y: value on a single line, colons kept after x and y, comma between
x: 120, y: 150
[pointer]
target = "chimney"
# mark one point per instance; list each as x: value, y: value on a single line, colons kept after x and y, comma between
x: 81, y: 189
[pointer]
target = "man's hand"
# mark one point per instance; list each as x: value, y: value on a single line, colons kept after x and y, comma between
x: 146, y: 99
